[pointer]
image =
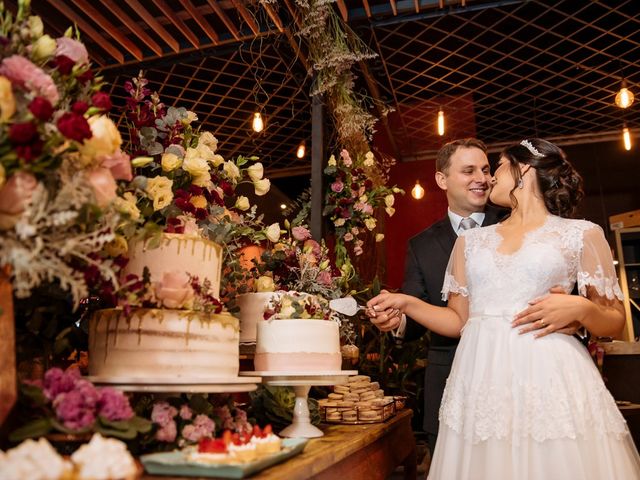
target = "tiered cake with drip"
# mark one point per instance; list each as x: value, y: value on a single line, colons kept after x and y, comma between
x: 179, y: 340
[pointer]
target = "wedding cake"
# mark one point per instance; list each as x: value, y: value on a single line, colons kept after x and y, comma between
x: 297, y: 336
x: 252, y: 307
x: 183, y: 337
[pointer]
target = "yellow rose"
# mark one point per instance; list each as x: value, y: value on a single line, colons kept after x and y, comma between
x: 332, y: 161
x: 202, y: 180
x: 198, y: 201
x: 117, y: 247
x: 170, y: 161
x: 242, y: 203
x: 36, y: 28
x: 127, y: 205
x: 379, y: 237
x: 368, y: 159
x: 7, y: 100
x: 217, y: 160
x: 273, y: 232
x: 265, y: 284
x: 256, y: 172
x: 370, y: 223
x: 232, y: 171
x: 194, y: 163
x: 390, y: 211
x: 105, y: 139
x: 389, y: 200
x: 338, y: 222
x: 43, y: 48
x: 159, y: 190
x: 209, y: 140
x: 262, y: 186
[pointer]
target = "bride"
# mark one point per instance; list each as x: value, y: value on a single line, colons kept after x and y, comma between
x: 523, y: 402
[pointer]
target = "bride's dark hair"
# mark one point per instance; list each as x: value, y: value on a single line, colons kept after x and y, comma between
x: 559, y: 182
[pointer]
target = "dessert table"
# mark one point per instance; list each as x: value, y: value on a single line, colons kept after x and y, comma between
x: 370, y: 451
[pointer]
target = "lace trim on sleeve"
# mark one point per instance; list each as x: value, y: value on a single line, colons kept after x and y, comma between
x: 605, y: 286
x: 451, y: 285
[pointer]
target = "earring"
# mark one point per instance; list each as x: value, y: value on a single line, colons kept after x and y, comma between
x: 520, y: 183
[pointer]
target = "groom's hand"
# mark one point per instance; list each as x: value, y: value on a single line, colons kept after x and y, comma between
x: 551, y: 313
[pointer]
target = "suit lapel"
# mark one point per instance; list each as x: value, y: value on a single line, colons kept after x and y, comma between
x: 445, y: 236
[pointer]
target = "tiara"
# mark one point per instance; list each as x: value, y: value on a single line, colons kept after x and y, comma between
x: 534, y: 151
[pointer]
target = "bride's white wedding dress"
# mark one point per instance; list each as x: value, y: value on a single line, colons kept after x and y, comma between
x: 520, y: 408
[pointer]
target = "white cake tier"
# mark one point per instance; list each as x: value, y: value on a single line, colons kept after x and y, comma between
x: 252, y: 307
x: 178, y: 253
x: 163, y: 343
x: 297, y: 344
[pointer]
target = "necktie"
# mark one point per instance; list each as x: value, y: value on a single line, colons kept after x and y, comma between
x: 467, y: 223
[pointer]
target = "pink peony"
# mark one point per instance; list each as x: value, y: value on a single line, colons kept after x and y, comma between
x: 337, y: 186
x: 16, y: 194
x: 72, y: 49
x: 25, y: 74
x: 119, y: 163
x: 167, y: 433
x: 300, y: 233
x: 163, y: 414
x: 174, y: 290
x: 113, y: 405
x: 104, y: 186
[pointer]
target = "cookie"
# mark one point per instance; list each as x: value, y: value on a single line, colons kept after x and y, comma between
x: 336, y: 396
x: 369, y: 415
x: 351, y: 397
x: 379, y: 393
x: 346, y: 404
x: 359, y: 378
x: 367, y: 396
x: 334, y: 416
x: 341, y: 389
x: 374, y: 385
x: 350, y: 416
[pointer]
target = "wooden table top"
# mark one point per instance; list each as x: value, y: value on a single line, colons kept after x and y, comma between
x: 377, y: 447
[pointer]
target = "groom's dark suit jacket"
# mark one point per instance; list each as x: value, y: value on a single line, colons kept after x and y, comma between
x: 427, y: 257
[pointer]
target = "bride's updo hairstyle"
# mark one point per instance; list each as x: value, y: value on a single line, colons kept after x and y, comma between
x: 559, y: 182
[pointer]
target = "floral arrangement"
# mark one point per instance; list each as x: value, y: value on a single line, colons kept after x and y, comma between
x: 185, y: 420
x: 351, y: 202
x: 297, y: 305
x: 67, y: 403
x: 59, y: 159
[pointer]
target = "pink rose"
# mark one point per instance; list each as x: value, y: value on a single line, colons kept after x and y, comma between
x: 119, y: 163
x: 174, y: 290
x: 346, y: 159
x: 300, y: 233
x: 104, y: 186
x: 189, y: 225
x: 72, y: 49
x: 324, y: 278
x: 312, y: 246
x: 348, y: 237
x: 25, y: 74
x: 337, y: 186
x: 16, y: 194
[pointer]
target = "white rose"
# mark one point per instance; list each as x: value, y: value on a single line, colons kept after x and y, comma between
x: 43, y: 48
x: 242, y: 203
x: 203, y: 180
x: 262, y: 186
x: 389, y: 200
x: 191, y: 117
x: 256, y: 172
x: 159, y: 190
x: 36, y: 28
x: 379, y: 237
x: 205, y: 152
x: 105, y: 139
x: 332, y: 161
x: 390, y: 211
x: 217, y: 160
x: 339, y: 222
x: 232, y: 171
x: 363, y: 199
x: 209, y: 140
x: 194, y: 164
x: 370, y: 223
x: 170, y: 162
x: 273, y: 232
x: 127, y: 205
x: 368, y: 159
x: 265, y: 284
x: 396, y: 190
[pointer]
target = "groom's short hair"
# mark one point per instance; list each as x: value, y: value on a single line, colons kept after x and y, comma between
x: 443, y: 157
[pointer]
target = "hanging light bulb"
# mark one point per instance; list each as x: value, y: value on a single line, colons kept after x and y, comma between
x: 258, y: 124
x: 626, y: 138
x: 417, y: 191
x: 624, y: 97
x: 301, y: 150
x: 440, y: 122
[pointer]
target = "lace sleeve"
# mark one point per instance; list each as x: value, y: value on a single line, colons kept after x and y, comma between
x: 596, y: 266
x: 455, y: 280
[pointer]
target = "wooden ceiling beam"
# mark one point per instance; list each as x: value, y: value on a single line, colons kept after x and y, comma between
x: 343, y: 10
x: 294, y: 13
x: 274, y: 16
x: 201, y: 21
x: 246, y: 16
x: 394, y: 7
x: 155, y: 25
x: 225, y: 19
x: 367, y: 8
x: 88, y: 30
x: 179, y: 24
x: 128, y: 22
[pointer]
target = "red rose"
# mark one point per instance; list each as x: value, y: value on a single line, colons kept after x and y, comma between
x: 79, y: 107
x: 74, y: 127
x: 64, y: 64
x: 85, y: 76
x: 101, y: 100
x: 30, y: 151
x: 22, y: 133
x: 41, y: 108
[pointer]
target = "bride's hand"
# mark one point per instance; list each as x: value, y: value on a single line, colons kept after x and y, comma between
x: 385, y: 310
x: 556, y: 312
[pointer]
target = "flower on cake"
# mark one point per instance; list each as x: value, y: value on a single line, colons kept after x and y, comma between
x: 59, y: 159
x: 68, y: 403
x: 297, y: 305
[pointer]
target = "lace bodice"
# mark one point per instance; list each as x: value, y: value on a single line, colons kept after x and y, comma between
x: 559, y: 253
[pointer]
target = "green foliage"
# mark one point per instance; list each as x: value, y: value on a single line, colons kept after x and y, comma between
x: 274, y: 405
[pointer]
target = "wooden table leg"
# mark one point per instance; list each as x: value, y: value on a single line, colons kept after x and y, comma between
x: 8, y: 381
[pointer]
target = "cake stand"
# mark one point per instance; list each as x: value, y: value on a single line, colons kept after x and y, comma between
x: 179, y: 385
x: 302, y: 382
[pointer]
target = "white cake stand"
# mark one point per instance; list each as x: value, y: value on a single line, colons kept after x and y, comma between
x: 302, y: 382
x: 178, y: 385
